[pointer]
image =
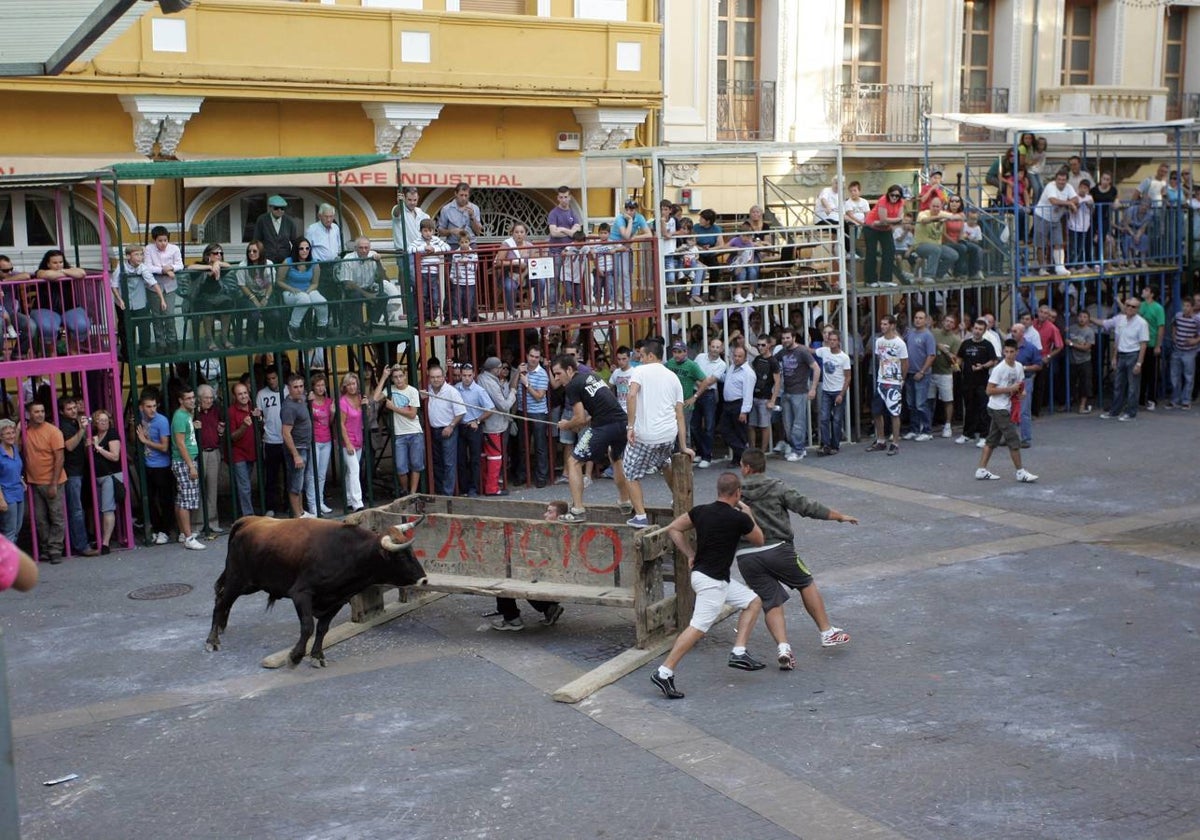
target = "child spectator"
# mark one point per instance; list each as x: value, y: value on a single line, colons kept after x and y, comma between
x: 429, y: 250
x: 576, y: 262
x: 742, y: 245
x: 605, y: 282
x: 138, y: 280
x: 1079, y: 230
x: 906, y: 247
x: 464, y: 272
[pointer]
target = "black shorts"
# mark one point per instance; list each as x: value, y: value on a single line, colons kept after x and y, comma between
x: 600, y: 443
x: 768, y: 570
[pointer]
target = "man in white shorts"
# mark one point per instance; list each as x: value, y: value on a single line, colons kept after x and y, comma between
x: 720, y: 526
x: 655, y: 407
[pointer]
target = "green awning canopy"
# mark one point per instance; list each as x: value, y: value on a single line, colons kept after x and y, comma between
x: 233, y: 167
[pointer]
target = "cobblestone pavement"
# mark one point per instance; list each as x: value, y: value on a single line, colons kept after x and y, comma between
x: 1024, y: 664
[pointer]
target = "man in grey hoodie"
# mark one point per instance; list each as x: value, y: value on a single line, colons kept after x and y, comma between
x: 495, y: 427
x: 767, y: 569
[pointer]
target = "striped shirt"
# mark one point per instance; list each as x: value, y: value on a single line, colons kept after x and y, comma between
x: 1187, y: 327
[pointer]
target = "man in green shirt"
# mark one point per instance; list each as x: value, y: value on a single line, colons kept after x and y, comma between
x: 945, y: 362
x: 184, y: 451
x: 690, y: 376
x: 1156, y: 318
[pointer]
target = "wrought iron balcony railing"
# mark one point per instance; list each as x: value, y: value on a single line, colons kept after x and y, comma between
x: 985, y: 100
x: 862, y: 112
x: 745, y: 110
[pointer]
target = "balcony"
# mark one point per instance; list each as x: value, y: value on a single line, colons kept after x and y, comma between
x: 1125, y: 103
x: 878, y: 113
x: 1183, y: 106
x: 985, y: 100
x: 745, y: 110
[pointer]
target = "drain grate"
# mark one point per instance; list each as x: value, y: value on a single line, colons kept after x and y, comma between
x: 160, y: 591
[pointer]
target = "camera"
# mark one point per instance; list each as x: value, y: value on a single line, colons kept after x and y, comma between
x: 85, y: 420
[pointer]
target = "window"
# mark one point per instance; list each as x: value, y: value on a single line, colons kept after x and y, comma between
x: 1175, y: 38
x: 745, y: 103
x: 977, y: 48
x: 1079, y: 27
x: 6, y: 222
x: 493, y: 7
x: 863, y: 52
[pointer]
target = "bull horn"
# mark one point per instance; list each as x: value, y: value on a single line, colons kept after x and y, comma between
x: 406, y: 529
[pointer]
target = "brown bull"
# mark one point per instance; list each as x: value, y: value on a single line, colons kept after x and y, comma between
x: 319, y: 564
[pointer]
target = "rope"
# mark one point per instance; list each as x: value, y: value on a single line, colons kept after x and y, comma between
x: 520, y: 417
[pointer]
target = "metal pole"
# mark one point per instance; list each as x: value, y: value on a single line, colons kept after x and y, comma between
x: 10, y: 823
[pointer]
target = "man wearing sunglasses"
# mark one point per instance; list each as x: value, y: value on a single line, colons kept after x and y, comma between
x: 1129, y: 351
x: 884, y: 217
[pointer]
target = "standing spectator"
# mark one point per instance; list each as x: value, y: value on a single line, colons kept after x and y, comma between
x: 470, y: 437
x: 322, y: 420
x: 444, y: 410
x: 1029, y: 358
x: 275, y: 230
x: 656, y: 425
x: 605, y: 287
x: 154, y: 433
x: 575, y: 270
x: 464, y: 273
x: 801, y: 375
x: 137, y: 279
x: 562, y: 224
x: 350, y: 418
x: 74, y: 430
x: 1081, y: 338
x: 1079, y: 231
x: 460, y: 217
x: 12, y: 482
x: 402, y: 401
x: 704, y: 418
x: 922, y: 350
x: 533, y: 388
x: 183, y: 465
x: 619, y: 379
x: 1156, y: 319
x: 836, y: 374
x: 296, y: 427
x: 164, y: 260
x: 887, y: 214
x: 1185, y: 333
x: 628, y: 225
x: 1128, y: 355
x: 766, y: 393
x: 429, y: 252
x: 496, y: 425
x: 1006, y: 381
x: 299, y: 279
x: 735, y: 409
x: 324, y: 235
x: 406, y: 219
x: 691, y: 378
x: 45, y: 475
x: 1051, y: 340
x: 243, y: 449
x: 269, y: 402
x: 978, y: 357
x: 211, y: 423
x: 945, y: 365
x: 891, y: 369
x: 109, y: 462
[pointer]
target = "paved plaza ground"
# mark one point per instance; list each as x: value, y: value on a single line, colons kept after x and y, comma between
x: 1024, y: 664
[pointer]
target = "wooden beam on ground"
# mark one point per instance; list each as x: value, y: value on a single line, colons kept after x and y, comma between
x: 623, y: 663
x: 350, y: 629
x: 541, y: 590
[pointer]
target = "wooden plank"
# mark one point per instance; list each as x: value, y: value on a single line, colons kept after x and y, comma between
x: 682, y: 502
x: 623, y: 663
x: 602, y: 596
x: 367, y: 603
x: 350, y: 629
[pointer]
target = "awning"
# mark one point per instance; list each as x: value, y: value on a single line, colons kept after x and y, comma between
x: 1050, y: 123
x: 29, y: 171
x: 42, y: 39
x: 523, y: 173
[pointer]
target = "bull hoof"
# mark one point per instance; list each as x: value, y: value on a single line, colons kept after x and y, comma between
x: 293, y: 660
x: 317, y: 663
x: 210, y: 646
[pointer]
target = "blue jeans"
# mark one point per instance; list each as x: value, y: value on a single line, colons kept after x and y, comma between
x: 795, y: 420
x: 445, y: 460
x: 832, y: 416
x: 462, y: 303
x: 1183, y: 374
x: 704, y: 423
x: 1027, y: 412
x: 12, y: 519
x: 512, y: 285
x: 76, y: 525
x: 916, y: 395
x: 241, y: 483
x: 1126, y: 386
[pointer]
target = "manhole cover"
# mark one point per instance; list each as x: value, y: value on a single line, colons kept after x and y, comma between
x: 159, y: 591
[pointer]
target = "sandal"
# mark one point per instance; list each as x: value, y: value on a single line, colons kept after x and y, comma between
x: 212, y: 347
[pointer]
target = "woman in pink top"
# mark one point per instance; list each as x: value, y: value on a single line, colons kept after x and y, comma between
x: 322, y: 419
x: 351, y: 422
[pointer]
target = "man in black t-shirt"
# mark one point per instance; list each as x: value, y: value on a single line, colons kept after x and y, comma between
x: 601, y: 437
x: 767, y: 383
x: 978, y: 357
x: 719, y: 526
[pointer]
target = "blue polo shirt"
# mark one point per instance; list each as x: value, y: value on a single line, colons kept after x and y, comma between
x: 159, y: 429
x: 1028, y: 355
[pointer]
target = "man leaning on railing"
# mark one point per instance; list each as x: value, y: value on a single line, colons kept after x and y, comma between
x: 362, y: 275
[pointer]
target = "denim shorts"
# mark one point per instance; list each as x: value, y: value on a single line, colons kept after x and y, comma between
x: 409, y: 452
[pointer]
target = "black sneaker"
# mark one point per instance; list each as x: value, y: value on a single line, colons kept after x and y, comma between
x: 667, y: 686
x: 877, y: 446
x: 745, y: 662
x: 552, y: 614
x: 892, y: 449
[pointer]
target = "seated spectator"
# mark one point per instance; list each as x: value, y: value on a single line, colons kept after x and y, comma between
x: 954, y: 235
x: 256, y: 281
x: 1134, y: 226
x: 298, y: 279
x: 512, y: 261
x: 55, y: 302
x: 362, y: 275
x: 939, y: 258
x: 210, y: 296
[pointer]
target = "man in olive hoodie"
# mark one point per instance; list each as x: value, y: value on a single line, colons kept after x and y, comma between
x: 774, y: 565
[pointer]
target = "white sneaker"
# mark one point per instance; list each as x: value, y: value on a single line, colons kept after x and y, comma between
x: 961, y: 439
x: 307, y: 515
x: 910, y: 435
x: 1151, y: 405
x: 1124, y: 418
x: 781, y: 447
x: 1061, y: 270
x: 182, y: 538
x: 794, y: 456
x: 946, y: 431
x: 702, y: 464
x: 1043, y: 273
x: 924, y: 436
x: 194, y: 544
x: 1026, y: 477
x: 984, y: 474
x: 979, y: 444
x: 161, y: 538
x: 587, y: 481
x: 737, y: 298
x: 326, y: 509
x: 269, y: 514
x: 454, y: 322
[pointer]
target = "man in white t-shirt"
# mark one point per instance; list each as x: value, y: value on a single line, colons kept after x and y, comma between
x: 619, y: 379
x: 402, y: 401
x: 1006, y: 380
x: 269, y: 401
x: 1058, y: 198
x: 655, y: 409
x: 891, y: 367
x: 836, y: 372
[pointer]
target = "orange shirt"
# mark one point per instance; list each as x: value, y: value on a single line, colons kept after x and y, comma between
x: 40, y: 445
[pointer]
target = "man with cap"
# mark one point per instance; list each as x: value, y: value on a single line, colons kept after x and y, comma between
x: 276, y: 230
x: 495, y: 425
x: 470, y: 440
x: 692, y: 378
x: 933, y: 189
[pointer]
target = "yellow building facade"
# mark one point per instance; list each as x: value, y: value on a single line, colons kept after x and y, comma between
x: 505, y: 99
